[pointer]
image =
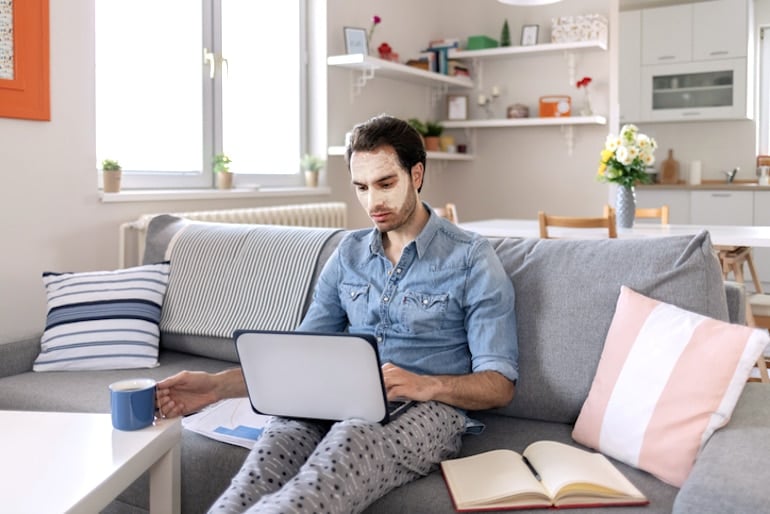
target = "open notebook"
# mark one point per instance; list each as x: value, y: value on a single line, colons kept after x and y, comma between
x: 314, y: 375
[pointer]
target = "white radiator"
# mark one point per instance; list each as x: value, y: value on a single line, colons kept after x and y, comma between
x: 326, y: 214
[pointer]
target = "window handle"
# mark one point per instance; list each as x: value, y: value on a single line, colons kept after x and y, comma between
x: 225, y: 66
x: 208, y: 58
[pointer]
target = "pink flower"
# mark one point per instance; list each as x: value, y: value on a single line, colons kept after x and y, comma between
x: 583, y: 82
x: 375, y: 21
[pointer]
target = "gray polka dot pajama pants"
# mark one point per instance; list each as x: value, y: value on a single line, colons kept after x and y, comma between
x: 303, y: 466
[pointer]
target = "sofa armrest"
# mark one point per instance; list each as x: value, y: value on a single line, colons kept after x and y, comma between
x: 736, y: 302
x: 731, y: 473
x: 18, y: 356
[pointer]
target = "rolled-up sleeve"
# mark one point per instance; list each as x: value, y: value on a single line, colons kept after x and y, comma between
x: 490, y: 314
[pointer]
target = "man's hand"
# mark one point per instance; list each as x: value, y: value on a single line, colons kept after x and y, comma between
x: 474, y: 391
x: 401, y: 384
x: 190, y: 391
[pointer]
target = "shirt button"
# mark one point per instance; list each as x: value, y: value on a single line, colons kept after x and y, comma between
x: 379, y: 339
x: 352, y: 295
x: 398, y: 270
x: 425, y: 302
x: 384, y: 298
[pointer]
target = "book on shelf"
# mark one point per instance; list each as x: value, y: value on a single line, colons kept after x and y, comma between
x: 547, y: 474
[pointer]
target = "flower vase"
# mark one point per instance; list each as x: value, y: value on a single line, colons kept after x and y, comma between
x: 626, y: 207
x: 586, y: 110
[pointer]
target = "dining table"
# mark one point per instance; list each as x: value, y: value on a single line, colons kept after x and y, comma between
x: 721, y: 235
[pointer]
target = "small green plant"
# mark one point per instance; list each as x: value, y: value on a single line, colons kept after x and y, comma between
x: 427, y: 128
x: 434, y: 128
x: 110, y: 165
x: 222, y: 163
x: 311, y: 162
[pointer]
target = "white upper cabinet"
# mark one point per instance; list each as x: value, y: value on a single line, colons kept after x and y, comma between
x: 630, y: 65
x: 667, y: 34
x: 720, y: 29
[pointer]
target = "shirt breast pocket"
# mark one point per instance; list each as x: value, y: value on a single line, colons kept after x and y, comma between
x: 355, y: 301
x: 423, y: 312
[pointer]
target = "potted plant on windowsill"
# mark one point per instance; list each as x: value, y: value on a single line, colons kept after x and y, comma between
x: 430, y: 132
x: 312, y: 166
x: 111, y: 175
x: 224, y: 178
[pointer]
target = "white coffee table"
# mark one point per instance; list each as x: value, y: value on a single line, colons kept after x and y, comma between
x: 76, y: 462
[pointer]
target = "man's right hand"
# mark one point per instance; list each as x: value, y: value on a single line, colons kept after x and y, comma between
x: 190, y: 391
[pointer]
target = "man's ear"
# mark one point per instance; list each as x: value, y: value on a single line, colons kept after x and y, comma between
x: 418, y: 175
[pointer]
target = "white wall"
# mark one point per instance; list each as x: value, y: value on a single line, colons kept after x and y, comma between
x: 516, y: 172
x: 52, y: 218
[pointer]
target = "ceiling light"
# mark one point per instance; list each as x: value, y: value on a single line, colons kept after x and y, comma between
x: 528, y: 2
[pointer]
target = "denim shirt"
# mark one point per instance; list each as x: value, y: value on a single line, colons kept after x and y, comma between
x: 446, y: 307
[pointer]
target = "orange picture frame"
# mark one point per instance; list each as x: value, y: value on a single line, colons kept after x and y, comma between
x: 27, y: 95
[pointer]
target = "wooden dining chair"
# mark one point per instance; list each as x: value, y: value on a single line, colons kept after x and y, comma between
x: 572, y: 222
x: 661, y: 212
x: 448, y: 211
x: 653, y: 213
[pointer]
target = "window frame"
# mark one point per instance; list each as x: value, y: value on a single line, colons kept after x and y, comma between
x: 763, y: 116
x: 212, y: 124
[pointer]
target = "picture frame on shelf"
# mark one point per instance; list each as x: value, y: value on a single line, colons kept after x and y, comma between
x: 529, y: 35
x: 355, y: 41
x: 457, y: 107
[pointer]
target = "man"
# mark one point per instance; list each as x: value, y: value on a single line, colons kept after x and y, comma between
x: 441, y: 308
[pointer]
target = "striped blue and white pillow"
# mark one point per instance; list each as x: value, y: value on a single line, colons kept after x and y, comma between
x: 103, y: 319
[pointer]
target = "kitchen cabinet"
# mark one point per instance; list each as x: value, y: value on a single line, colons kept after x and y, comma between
x: 705, y: 90
x: 693, y: 62
x: 678, y: 201
x: 720, y: 29
x: 722, y: 207
x: 762, y: 255
x: 667, y: 34
x: 630, y: 66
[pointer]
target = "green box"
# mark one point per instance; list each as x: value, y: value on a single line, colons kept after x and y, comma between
x: 481, y: 42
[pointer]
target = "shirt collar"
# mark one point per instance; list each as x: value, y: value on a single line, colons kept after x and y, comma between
x: 422, y: 240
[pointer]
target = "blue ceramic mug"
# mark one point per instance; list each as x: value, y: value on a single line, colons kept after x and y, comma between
x: 132, y: 403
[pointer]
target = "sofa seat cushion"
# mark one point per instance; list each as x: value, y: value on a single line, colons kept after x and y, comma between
x: 86, y: 391
x: 429, y: 495
x: 566, y: 292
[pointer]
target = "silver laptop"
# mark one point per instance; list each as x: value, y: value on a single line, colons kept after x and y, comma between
x: 314, y: 375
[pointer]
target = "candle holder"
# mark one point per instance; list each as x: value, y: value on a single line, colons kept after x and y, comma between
x: 486, y: 101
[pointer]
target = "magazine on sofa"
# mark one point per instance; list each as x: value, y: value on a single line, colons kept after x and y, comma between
x: 546, y: 474
x: 231, y: 421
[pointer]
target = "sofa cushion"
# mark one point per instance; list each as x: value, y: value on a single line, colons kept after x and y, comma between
x: 566, y: 291
x: 103, y: 319
x: 651, y: 405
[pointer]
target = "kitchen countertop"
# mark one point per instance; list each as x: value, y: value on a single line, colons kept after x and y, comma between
x: 708, y: 186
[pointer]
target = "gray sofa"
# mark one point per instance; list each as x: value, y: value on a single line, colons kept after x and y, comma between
x: 566, y: 293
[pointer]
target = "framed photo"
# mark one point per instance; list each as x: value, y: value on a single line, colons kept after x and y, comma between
x: 529, y: 35
x: 457, y: 107
x: 355, y: 41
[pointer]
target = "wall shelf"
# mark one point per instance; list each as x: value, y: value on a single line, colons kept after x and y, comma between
x: 438, y: 156
x: 370, y: 67
x: 526, y: 122
x: 506, y: 52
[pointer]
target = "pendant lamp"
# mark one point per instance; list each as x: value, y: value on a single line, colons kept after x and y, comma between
x: 528, y: 2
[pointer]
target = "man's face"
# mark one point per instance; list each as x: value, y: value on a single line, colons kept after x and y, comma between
x: 384, y: 189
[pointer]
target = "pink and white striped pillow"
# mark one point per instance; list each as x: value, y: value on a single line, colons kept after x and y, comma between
x: 667, y: 378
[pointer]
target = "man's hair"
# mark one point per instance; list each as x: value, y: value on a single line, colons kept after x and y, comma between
x: 384, y: 130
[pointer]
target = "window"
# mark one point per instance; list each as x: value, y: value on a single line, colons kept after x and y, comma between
x: 178, y: 81
x: 764, y: 91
